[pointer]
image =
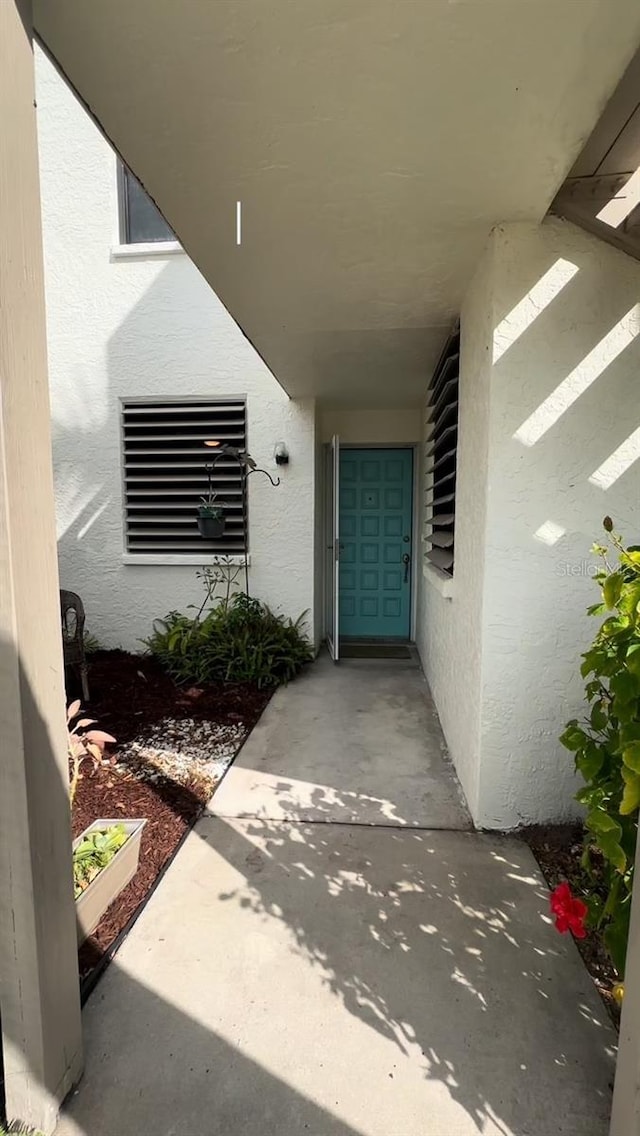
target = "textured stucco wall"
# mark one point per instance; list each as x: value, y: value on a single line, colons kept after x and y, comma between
x: 449, y: 629
x: 399, y: 427
x: 549, y: 434
x: 564, y: 398
x: 147, y: 326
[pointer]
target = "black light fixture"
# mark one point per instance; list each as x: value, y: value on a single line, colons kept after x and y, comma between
x: 281, y: 454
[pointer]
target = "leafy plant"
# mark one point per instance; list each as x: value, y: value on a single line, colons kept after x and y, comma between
x: 607, y: 745
x: 209, y: 508
x: 238, y: 639
x: 93, y: 853
x: 91, y: 645
x: 82, y: 744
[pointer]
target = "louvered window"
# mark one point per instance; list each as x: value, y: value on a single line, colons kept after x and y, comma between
x: 441, y: 445
x: 165, y: 474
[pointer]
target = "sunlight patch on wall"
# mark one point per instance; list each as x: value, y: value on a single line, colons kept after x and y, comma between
x: 549, y: 532
x: 618, y: 209
x: 73, y: 497
x: 530, y: 307
x: 618, y: 463
x: 92, y: 519
x: 580, y: 379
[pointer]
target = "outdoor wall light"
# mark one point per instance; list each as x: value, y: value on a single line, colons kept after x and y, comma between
x: 281, y: 454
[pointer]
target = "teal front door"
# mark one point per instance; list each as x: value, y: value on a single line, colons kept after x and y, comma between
x: 375, y: 543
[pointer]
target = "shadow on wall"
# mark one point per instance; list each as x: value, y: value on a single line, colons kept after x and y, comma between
x: 86, y: 429
x: 358, y: 963
x: 175, y: 340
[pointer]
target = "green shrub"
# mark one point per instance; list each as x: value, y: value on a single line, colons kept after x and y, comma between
x: 607, y: 746
x: 238, y: 640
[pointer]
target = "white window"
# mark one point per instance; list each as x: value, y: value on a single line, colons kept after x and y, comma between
x: 441, y: 446
x: 141, y: 222
x: 165, y: 475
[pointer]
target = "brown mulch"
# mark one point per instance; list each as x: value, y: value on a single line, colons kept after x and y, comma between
x: 129, y: 693
x: 558, y: 849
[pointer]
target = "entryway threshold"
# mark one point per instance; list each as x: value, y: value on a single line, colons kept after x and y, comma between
x: 376, y: 650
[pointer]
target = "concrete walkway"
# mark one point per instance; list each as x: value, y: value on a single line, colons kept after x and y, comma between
x: 329, y: 979
x: 357, y: 743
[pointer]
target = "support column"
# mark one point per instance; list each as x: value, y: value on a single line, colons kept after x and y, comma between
x: 625, y: 1116
x: 39, y: 999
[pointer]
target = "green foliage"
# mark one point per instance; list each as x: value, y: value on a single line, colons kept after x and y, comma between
x: 237, y: 639
x: 91, y: 645
x: 93, y: 853
x: 607, y: 745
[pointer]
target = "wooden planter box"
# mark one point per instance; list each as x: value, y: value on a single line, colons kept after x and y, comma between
x: 94, y: 901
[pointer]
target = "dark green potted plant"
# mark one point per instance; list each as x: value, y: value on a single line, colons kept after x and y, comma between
x: 210, y: 517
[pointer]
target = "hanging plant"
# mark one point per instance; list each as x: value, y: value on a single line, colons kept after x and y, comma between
x: 210, y: 517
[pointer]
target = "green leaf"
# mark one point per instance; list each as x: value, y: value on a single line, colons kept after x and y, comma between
x: 599, y: 822
x: 599, y: 716
x: 573, y: 738
x: 611, y: 850
x: 633, y: 659
x: 629, y: 733
x: 590, y: 663
x: 585, y: 794
x: 631, y: 796
x: 597, y: 609
x: 590, y: 761
x: 631, y: 757
x: 616, y: 937
x: 625, y: 686
x: 611, y: 589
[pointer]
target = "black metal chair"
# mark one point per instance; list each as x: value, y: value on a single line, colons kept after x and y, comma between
x: 72, y: 615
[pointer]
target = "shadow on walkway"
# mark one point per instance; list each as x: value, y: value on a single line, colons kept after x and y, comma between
x: 293, y: 978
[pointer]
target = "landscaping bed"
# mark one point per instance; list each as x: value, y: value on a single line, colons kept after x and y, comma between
x: 558, y: 850
x: 173, y: 746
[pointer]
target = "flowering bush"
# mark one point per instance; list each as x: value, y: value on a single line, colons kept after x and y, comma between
x: 607, y: 745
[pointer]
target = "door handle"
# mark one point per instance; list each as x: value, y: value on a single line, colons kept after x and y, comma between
x: 406, y: 560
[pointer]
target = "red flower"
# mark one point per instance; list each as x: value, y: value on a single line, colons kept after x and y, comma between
x: 570, y: 912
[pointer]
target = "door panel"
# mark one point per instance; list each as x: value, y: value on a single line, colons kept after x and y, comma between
x: 375, y: 518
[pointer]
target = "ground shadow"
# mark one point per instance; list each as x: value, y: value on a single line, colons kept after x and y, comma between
x: 440, y: 943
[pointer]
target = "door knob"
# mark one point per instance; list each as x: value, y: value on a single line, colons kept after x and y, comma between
x: 406, y: 560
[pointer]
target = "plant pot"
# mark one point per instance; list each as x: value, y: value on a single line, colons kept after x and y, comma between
x: 210, y: 527
x: 107, y: 885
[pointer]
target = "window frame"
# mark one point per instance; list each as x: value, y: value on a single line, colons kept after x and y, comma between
x: 125, y: 243
x: 201, y: 550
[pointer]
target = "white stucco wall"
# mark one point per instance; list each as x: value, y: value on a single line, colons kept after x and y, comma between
x: 565, y: 397
x: 393, y: 427
x: 561, y: 440
x: 137, y: 327
x: 449, y: 629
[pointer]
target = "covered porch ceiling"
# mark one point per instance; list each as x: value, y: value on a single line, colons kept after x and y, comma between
x: 372, y: 145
